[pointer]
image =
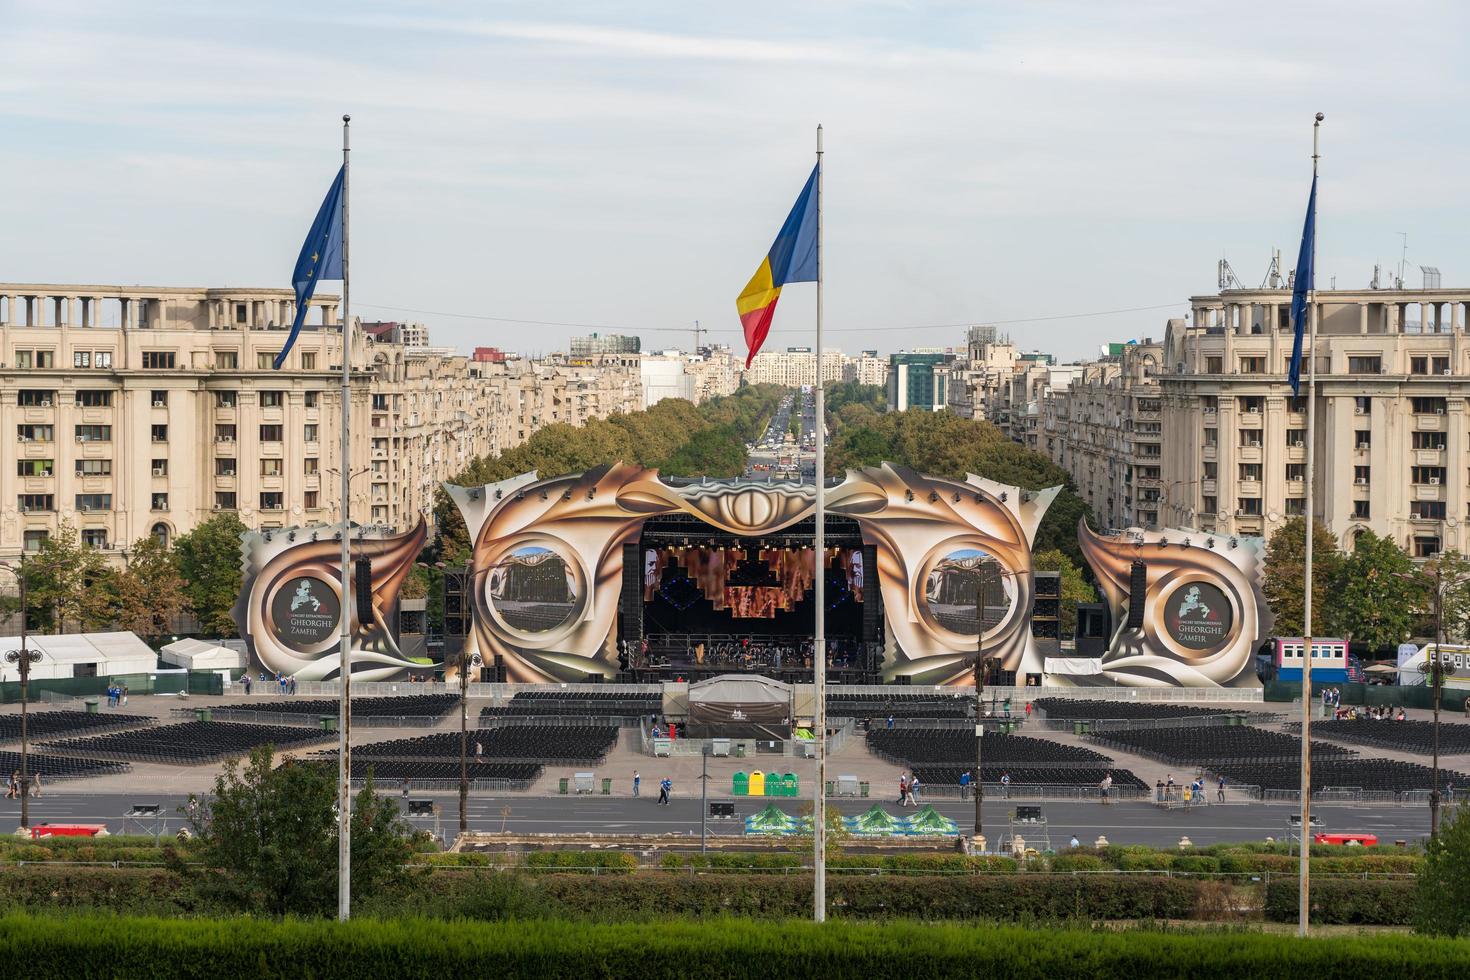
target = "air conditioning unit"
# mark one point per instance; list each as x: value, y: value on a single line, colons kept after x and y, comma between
x: 1439, y: 411
x: 1359, y: 411
x: 1240, y: 513
x: 1363, y: 446
x: 1298, y: 445
x: 1434, y: 481
x: 1448, y: 372
x: 46, y: 402
x: 1360, y: 482
x: 160, y: 471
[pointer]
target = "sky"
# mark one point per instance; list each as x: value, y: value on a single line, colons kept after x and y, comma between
x: 525, y: 172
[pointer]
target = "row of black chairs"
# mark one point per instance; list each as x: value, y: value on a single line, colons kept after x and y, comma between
x: 43, y: 724
x: 1070, y: 709
x: 1086, y: 777
x: 409, y: 705
x: 186, y: 743
x: 1377, y: 775
x: 530, y: 743
x: 1217, y: 746
x: 1400, y: 736
x: 875, y: 706
x: 55, y: 767
x: 938, y: 746
x: 388, y: 771
x: 590, y: 703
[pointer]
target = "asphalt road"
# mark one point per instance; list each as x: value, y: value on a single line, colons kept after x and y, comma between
x: 1122, y: 823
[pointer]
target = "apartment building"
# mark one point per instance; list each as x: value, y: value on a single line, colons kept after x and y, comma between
x: 143, y: 411
x: 917, y: 379
x: 1391, y: 451
x: 866, y: 369
x: 1105, y: 428
x: 794, y: 367
x: 613, y: 343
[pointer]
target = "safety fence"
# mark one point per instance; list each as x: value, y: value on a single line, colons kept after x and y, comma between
x: 329, y: 720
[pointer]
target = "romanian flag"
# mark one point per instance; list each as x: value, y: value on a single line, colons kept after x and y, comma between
x: 792, y: 258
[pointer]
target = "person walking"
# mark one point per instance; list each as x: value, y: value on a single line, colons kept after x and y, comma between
x: 245, y: 682
x: 1105, y: 787
x: 637, y: 782
x: 903, y: 788
x: 1005, y: 785
x: 479, y: 751
x: 124, y: 695
x: 914, y: 790
x: 965, y: 785
x: 1169, y: 788
x: 36, y: 785
x: 665, y: 787
x: 1220, y: 791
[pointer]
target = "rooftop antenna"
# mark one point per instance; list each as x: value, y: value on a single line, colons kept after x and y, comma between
x: 1403, y: 257
x: 1226, y: 275
x: 1377, y: 273
x: 698, y: 332
x: 1273, y: 271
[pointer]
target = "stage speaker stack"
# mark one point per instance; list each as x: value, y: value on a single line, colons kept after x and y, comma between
x: 872, y: 597
x: 630, y: 598
x: 1046, y: 608
x: 363, y: 579
x: 456, y: 605
x: 1137, y: 590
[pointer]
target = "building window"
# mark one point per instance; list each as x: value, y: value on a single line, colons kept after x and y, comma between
x: 160, y: 534
x: 1427, y: 510
x: 310, y: 465
x: 94, y: 467
x: 309, y: 432
x: 1250, y: 438
x: 1427, y: 406
x: 1211, y: 505
x: 102, y: 359
x: 1248, y: 506
x: 1362, y: 475
x: 1210, y: 404
x: 270, y: 467
x: 1363, y: 439
x: 265, y: 360
x: 94, y: 399
x: 158, y: 360
x: 311, y: 397
x: 34, y: 538
x: 1365, y: 364
x: 309, y: 500
x: 271, y: 432
x: 225, y: 399
x: 1296, y: 506
x: 224, y: 500
x: 242, y: 314
x: 81, y: 358
x: 94, y: 433
x: 35, y: 503
x: 160, y: 433
x: 160, y: 467
x: 1429, y: 440
x: 34, y: 398
x: 1362, y: 405
x: 1296, y: 404
x: 1214, y: 365
x: 160, y: 501
x: 1250, y: 471
x: 1296, y: 471
x: 224, y: 433
x: 160, y: 399
x: 271, y: 500
x: 89, y: 502
x: 35, y: 433
x: 1252, y: 365
x: 272, y: 399
x: 1211, y: 471
x: 1212, y: 438
x: 1296, y: 437
x: 224, y: 466
x: 226, y: 360
x: 1426, y: 475
x: 308, y: 360
x: 1361, y: 510
x: 94, y: 537
x: 380, y: 403
x: 1440, y: 365
x: 1251, y: 404
x: 1426, y: 546
x: 1419, y: 365
x: 35, y: 467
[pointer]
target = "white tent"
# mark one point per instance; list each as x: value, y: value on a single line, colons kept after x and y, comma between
x: 201, y: 655
x: 81, y: 655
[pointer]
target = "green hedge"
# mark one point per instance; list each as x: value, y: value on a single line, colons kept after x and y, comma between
x: 66, y: 948
x: 1374, y: 902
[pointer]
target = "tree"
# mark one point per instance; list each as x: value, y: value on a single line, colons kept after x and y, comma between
x: 208, y: 558
x: 1370, y: 602
x: 150, y: 590
x: 69, y: 585
x: 1442, y: 906
x: 1285, y: 578
x: 1075, y: 588
x: 269, y: 835
x: 1451, y: 570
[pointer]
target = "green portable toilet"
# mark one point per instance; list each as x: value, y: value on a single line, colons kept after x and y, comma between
x: 740, y: 784
x: 789, y: 784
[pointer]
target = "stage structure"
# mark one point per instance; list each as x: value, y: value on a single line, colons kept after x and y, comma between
x: 291, y: 603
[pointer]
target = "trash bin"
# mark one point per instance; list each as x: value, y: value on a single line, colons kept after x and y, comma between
x: 863, y: 790
x: 1076, y: 728
x: 561, y: 785
x: 739, y: 750
x: 831, y: 788
x: 91, y: 706
x: 606, y: 786
x: 789, y: 785
x: 206, y: 714
x: 329, y: 722
x: 739, y: 784
x: 757, y: 783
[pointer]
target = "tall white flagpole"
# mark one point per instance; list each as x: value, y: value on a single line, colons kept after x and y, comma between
x: 1304, y: 903
x: 819, y: 655
x: 344, y: 707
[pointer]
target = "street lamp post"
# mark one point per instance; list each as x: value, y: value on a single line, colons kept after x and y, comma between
x: 22, y: 659
x: 985, y: 571
x: 466, y: 664
x: 1433, y: 669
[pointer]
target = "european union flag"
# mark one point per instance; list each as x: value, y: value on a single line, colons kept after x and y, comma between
x: 1305, y: 276
x: 321, y: 258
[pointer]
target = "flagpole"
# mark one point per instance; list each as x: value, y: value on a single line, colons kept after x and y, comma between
x: 1304, y: 903
x: 819, y: 655
x: 344, y: 707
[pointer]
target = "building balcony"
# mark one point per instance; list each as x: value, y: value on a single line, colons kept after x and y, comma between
x: 1251, y: 420
x: 1248, y: 454
x: 1429, y: 457
x: 1249, y: 488
x: 1428, y: 491
x: 1429, y: 423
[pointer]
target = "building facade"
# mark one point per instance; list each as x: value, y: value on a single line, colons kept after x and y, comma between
x: 612, y: 343
x: 868, y: 368
x: 794, y: 367
x: 918, y: 380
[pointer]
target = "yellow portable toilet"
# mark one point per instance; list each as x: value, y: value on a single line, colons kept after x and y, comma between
x: 757, y: 783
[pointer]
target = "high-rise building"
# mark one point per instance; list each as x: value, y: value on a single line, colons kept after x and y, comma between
x: 916, y: 381
x: 868, y: 368
x: 612, y: 343
x: 794, y: 367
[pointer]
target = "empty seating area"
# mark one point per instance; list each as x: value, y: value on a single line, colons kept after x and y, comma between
x: 53, y: 768
x: 841, y: 704
x: 513, y: 743
x: 1082, y: 776
x: 956, y: 746
x: 1373, y: 775
x: 1089, y: 709
x: 1212, y: 747
x: 586, y: 704
x: 391, y: 771
x: 187, y: 743
x: 1399, y: 736
x: 49, y: 724
x: 406, y: 706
